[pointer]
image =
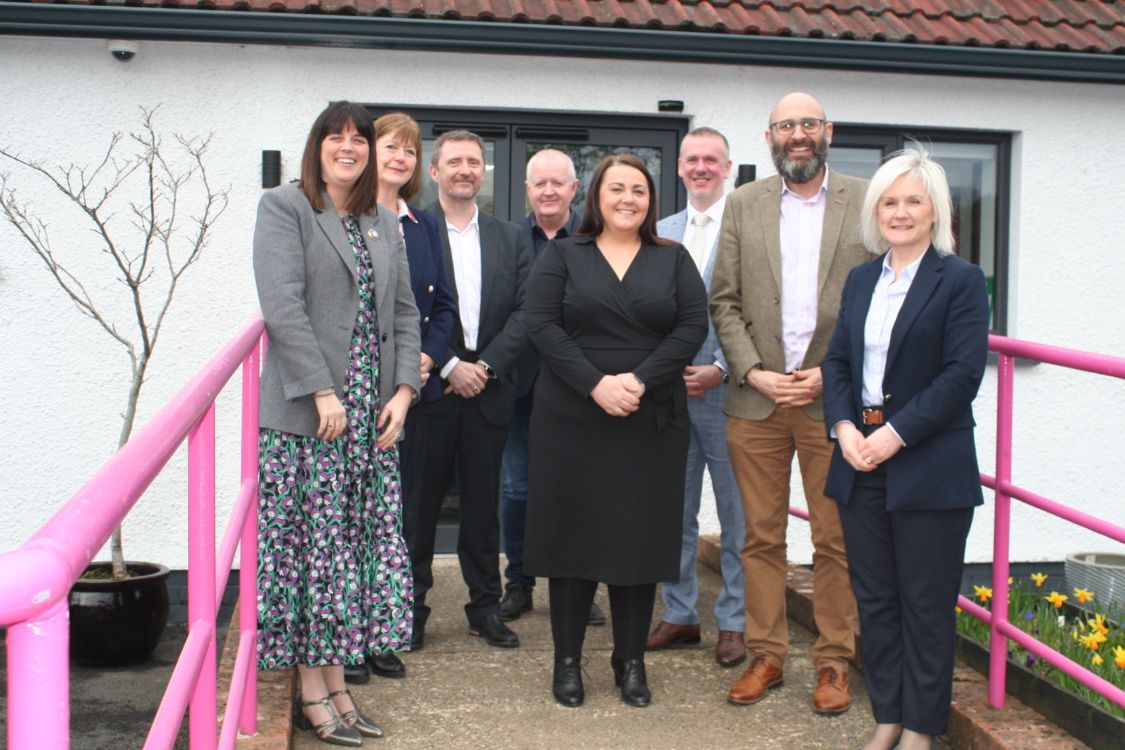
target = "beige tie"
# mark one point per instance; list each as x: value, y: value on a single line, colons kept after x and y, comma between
x: 698, y: 247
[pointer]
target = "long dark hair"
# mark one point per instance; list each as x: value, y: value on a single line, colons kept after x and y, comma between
x: 593, y: 223
x: 334, y: 119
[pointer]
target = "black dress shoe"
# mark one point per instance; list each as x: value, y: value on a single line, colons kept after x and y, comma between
x: 387, y: 665
x: 629, y: 674
x: 516, y: 601
x: 567, y: 683
x: 418, y: 637
x: 356, y: 674
x: 597, y: 616
x: 494, y: 631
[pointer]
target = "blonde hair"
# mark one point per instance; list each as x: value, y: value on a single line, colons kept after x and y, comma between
x: 915, y: 162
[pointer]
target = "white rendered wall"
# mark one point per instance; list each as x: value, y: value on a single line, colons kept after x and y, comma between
x: 64, y: 381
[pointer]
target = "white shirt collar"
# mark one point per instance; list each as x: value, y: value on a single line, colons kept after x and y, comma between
x: 714, y: 211
x: 404, y: 211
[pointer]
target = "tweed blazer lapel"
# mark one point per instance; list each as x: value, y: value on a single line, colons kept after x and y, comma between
x: 333, y: 228
x: 835, y: 203
x: 921, y: 289
x: 771, y: 228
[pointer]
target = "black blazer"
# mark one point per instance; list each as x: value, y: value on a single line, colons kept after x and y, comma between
x: 935, y: 364
x: 502, y: 335
x: 436, y: 307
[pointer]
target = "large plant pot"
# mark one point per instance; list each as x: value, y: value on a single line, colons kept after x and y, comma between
x: 113, y: 623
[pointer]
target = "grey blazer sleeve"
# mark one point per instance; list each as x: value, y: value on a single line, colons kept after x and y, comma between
x: 279, y: 273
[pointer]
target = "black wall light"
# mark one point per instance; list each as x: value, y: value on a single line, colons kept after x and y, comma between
x: 670, y: 105
x: 271, y: 169
x: 746, y: 173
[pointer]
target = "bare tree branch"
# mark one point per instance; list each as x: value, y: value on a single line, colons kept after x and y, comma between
x: 165, y: 185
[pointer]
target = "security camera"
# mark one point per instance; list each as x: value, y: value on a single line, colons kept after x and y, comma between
x: 122, y: 50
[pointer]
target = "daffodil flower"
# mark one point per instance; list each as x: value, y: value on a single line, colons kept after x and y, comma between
x: 1092, y: 641
x: 1038, y: 578
x: 1097, y: 660
x: 1083, y: 595
x: 983, y: 593
x: 1119, y: 656
x: 1099, y: 624
x: 1057, y: 599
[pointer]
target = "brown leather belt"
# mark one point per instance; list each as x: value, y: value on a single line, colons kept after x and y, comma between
x: 872, y: 415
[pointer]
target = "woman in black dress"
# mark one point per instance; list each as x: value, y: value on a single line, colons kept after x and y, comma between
x: 616, y: 314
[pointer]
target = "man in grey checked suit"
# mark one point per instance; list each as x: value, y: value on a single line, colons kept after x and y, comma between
x: 704, y: 166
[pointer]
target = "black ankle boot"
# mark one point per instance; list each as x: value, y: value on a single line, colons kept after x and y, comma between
x: 567, y: 684
x: 629, y: 674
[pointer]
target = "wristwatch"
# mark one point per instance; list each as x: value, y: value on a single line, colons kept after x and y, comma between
x: 487, y: 369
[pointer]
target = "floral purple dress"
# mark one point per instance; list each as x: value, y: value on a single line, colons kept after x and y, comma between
x: 334, y: 581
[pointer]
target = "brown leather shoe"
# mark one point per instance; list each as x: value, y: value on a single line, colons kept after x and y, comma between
x: 833, y: 695
x: 668, y: 635
x: 730, y: 651
x: 751, y: 687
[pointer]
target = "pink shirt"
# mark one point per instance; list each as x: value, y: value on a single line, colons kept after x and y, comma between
x: 802, y: 223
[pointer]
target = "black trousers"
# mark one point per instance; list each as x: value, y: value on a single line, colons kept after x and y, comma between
x: 905, y: 569
x: 460, y: 436
x: 630, y: 613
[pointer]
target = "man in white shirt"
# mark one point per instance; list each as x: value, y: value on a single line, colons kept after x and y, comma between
x: 786, y: 246
x: 486, y: 262
x: 704, y: 166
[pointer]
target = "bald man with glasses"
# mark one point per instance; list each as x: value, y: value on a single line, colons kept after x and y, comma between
x: 785, y: 249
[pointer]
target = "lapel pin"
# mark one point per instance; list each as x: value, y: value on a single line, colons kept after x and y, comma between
x: 372, y: 233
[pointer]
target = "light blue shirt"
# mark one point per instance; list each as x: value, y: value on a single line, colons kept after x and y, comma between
x: 886, y: 302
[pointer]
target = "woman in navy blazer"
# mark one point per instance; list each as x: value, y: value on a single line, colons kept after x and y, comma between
x: 903, y: 367
x: 398, y: 150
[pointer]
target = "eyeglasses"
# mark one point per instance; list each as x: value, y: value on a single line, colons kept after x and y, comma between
x: 810, y: 125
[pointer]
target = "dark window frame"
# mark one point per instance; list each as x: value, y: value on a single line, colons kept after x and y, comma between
x: 518, y: 126
x: 894, y: 137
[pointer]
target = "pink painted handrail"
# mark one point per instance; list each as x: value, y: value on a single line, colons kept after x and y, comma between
x: 1001, y: 630
x: 36, y: 577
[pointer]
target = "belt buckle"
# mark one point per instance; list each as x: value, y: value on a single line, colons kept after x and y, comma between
x: 872, y: 416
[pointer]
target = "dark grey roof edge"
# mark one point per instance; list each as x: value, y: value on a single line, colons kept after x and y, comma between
x: 300, y: 29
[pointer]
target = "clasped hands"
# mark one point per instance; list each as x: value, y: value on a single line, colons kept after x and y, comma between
x: 618, y: 395
x: 466, y: 379
x: 865, y: 453
x: 798, y: 388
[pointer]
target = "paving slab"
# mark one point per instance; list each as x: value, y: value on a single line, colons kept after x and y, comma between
x: 461, y: 693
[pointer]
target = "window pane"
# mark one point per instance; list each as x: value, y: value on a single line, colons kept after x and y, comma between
x: 856, y: 162
x: 971, y: 170
x: 486, y: 198
x: 586, y: 157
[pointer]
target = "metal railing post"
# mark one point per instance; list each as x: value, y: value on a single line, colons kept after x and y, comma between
x: 39, y: 678
x: 248, y: 548
x: 998, y: 642
x: 201, y: 574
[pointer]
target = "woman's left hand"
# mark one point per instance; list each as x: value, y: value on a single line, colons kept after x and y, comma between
x: 392, y: 417
x: 880, y: 446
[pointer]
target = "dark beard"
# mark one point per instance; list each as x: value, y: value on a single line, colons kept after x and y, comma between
x: 798, y: 172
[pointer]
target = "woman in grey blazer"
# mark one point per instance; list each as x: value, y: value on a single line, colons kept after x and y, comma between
x: 341, y: 370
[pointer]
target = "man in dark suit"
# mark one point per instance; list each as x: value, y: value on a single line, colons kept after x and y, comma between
x: 551, y: 186
x: 786, y: 245
x: 486, y: 263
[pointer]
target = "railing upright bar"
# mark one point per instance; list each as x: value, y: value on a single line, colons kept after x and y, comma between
x: 201, y: 574
x: 39, y: 681
x: 998, y: 642
x: 248, y: 551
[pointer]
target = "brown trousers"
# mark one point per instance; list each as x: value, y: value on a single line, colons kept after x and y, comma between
x: 761, y: 453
